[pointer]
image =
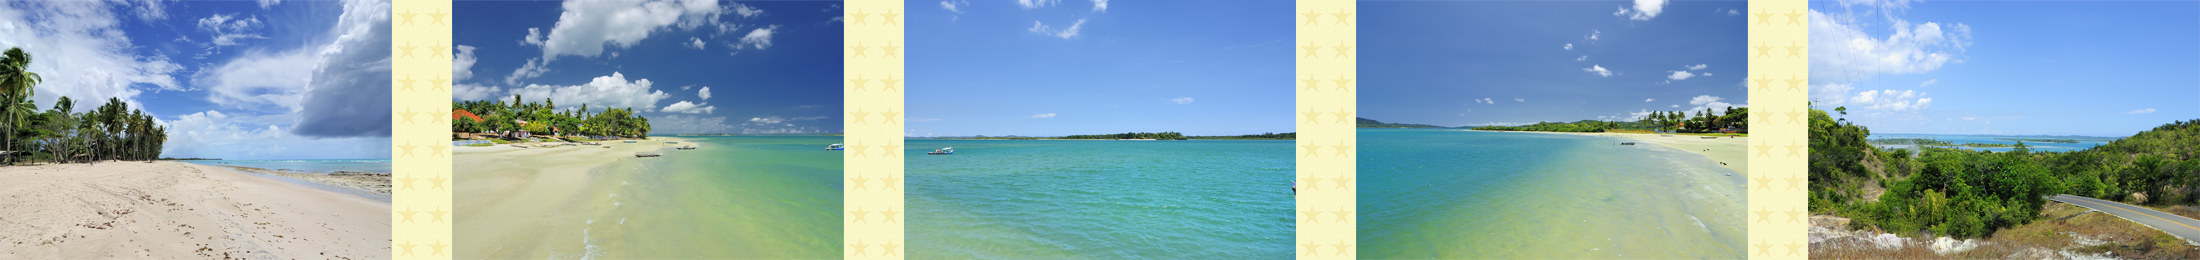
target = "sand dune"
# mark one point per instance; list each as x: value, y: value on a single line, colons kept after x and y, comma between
x: 169, y: 210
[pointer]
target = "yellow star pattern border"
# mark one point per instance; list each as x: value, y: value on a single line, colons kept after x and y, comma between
x: 1779, y: 67
x: 1327, y: 67
x: 873, y: 162
x: 420, y: 161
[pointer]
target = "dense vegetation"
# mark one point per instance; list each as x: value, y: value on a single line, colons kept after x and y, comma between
x: 1155, y: 136
x: 1262, y: 136
x: 1966, y: 193
x: 1677, y: 121
x: 112, y: 131
x: 1586, y: 126
x: 1371, y: 123
x: 499, y: 117
x: 1909, y: 141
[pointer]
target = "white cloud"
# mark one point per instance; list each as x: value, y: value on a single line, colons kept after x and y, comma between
x: 768, y: 120
x: 1599, y: 70
x: 1570, y: 47
x: 705, y: 92
x: 612, y: 91
x: 1181, y: 100
x: 1680, y: 75
x: 1643, y: 10
x: 1733, y: 12
x: 2140, y: 111
x: 1928, y: 82
x: 954, y: 6
x: 213, y: 134
x: 1043, y: 115
x: 1890, y: 100
x: 1029, y: 4
x: 462, y: 64
x: 532, y: 69
x: 746, y: 10
x: 1676, y: 105
x: 73, y: 45
x: 256, y: 79
x: 1065, y: 33
x: 1520, y: 100
x: 586, y: 27
x: 1716, y: 104
x: 473, y: 92
x: 1843, y: 51
x: 1100, y: 6
x: 350, y: 92
x: 228, y: 28
x: 1705, y: 74
x: 760, y: 38
x: 695, y: 42
x: 1593, y: 34
x: 1698, y: 67
x: 1647, y: 100
x: 149, y: 10
x: 1485, y: 101
x: 264, y: 4
x: 1582, y: 58
x: 689, y: 108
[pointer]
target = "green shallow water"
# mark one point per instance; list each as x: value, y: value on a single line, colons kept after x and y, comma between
x: 1051, y: 199
x: 741, y: 197
x: 1461, y: 194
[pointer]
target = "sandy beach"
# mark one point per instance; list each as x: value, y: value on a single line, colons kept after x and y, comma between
x: 370, y: 182
x: 508, y: 190
x: 1732, y: 151
x: 166, y: 210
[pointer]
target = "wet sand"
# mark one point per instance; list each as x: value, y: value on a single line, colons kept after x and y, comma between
x: 509, y: 194
x: 167, y: 210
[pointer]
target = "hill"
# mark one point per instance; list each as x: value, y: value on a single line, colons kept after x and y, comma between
x: 1371, y: 123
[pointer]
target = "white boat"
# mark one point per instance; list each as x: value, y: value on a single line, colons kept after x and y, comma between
x: 836, y: 147
x: 942, y: 151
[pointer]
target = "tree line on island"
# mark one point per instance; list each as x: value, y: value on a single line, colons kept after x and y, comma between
x: 1730, y: 120
x: 516, y: 119
x: 1967, y: 193
x: 112, y: 131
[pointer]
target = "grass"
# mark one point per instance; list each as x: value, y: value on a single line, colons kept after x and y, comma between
x: 579, y: 139
x: 2052, y: 232
x: 499, y: 141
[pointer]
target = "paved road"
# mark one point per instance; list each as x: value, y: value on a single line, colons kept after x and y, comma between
x: 2179, y: 226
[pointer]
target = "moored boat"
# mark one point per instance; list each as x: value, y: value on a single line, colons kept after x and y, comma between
x: 942, y: 151
x: 647, y: 155
x: 836, y: 147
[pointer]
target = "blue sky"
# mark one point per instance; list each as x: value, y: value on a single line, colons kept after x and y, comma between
x: 691, y: 66
x: 1051, y: 68
x: 261, y: 79
x: 2099, y: 68
x: 1521, y: 62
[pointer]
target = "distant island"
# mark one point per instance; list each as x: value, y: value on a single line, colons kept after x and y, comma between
x: 1371, y: 123
x: 2037, y: 140
x: 1139, y: 136
x: 1731, y: 121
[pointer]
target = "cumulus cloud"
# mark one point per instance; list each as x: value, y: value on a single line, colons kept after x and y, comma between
x: 72, y: 44
x: 760, y: 38
x: 585, y: 28
x: 533, y: 68
x: 1064, y: 33
x: 1680, y: 75
x: 1599, y: 70
x: 350, y: 92
x: 1716, y: 104
x: 253, y: 80
x: 1647, y: 100
x: 1181, y: 100
x: 1520, y: 100
x: 1570, y: 47
x: 1698, y: 67
x: 1100, y: 6
x: 213, y: 134
x: 2140, y: 111
x: 1029, y: 4
x: 1593, y: 34
x: 1890, y: 100
x: 1865, y: 39
x: 613, y: 91
x: 690, y: 108
x: 462, y: 64
x: 695, y: 42
x: 1643, y: 10
x: 1582, y: 58
x: 705, y: 92
x: 1043, y: 115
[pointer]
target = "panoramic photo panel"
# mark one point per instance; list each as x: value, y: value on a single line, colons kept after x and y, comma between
x: 1552, y: 129
x: 172, y: 130
x: 1074, y: 129
x: 647, y: 130
x: 2033, y: 129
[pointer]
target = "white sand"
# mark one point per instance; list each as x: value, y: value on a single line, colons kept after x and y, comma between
x: 169, y: 210
x: 1732, y: 151
x: 509, y: 192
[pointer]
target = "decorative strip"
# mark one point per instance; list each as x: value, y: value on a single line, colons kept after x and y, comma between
x: 1327, y: 67
x: 874, y: 130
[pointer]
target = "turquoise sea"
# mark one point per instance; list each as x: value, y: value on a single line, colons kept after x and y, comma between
x: 2084, y: 142
x: 1504, y: 195
x: 308, y: 166
x: 1099, y: 199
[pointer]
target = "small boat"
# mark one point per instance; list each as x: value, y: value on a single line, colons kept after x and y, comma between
x: 942, y: 151
x: 836, y: 147
x: 689, y: 147
x: 1627, y: 143
x: 647, y: 155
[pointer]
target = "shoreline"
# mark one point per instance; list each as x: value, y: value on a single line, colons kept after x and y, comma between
x: 1733, y: 151
x: 365, y: 183
x: 134, y: 209
x: 519, y: 202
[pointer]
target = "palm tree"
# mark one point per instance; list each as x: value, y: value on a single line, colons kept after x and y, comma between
x: 16, y: 83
